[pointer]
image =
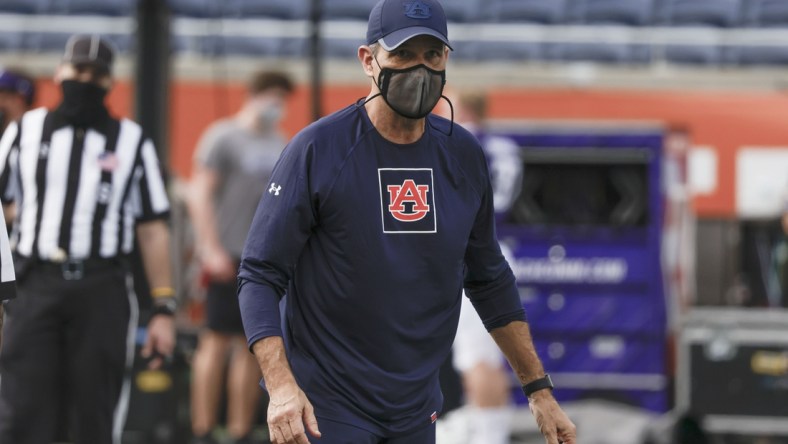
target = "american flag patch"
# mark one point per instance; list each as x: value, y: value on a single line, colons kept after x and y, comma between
x: 108, y: 161
x: 434, y: 417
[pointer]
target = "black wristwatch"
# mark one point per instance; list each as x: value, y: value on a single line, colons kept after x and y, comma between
x: 538, y: 384
x: 166, y: 307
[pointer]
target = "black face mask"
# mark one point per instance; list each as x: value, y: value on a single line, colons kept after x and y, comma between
x: 411, y: 92
x: 83, y: 102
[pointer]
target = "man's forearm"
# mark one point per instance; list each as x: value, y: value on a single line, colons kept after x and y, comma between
x: 202, y: 210
x: 154, y: 242
x: 514, y: 340
x: 272, y: 358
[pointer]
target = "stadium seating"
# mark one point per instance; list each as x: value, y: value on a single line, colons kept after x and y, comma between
x: 282, y: 9
x: 711, y: 25
x: 696, y: 55
x: 46, y: 41
x: 11, y: 40
x: 533, y: 11
x: 24, y: 6
x: 199, y: 8
x: 348, y: 9
x: 242, y: 45
x: 462, y: 10
x: 619, y: 53
x: 339, y: 48
x: 771, y: 13
x: 761, y: 55
x: 506, y: 51
x: 719, y: 13
x: 629, y: 12
x: 94, y: 7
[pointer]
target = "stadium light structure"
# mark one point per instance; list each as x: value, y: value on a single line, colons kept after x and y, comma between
x: 152, y: 71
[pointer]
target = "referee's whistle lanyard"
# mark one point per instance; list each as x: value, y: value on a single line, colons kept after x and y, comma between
x: 412, y: 92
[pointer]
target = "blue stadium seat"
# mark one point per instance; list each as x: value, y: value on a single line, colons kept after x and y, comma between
x: 762, y: 55
x: 720, y: 13
x: 11, y: 40
x: 625, y: 12
x: 200, y: 8
x: 219, y: 46
x: 46, y: 41
x: 461, y: 10
x: 709, y: 55
x: 184, y: 44
x: 534, y: 11
x: 24, y: 6
x: 348, y: 9
x: 341, y: 48
x: 506, y: 51
x: 766, y: 13
x: 281, y: 9
x: 123, y: 42
x: 464, y: 50
x: 97, y: 7
x: 614, y: 53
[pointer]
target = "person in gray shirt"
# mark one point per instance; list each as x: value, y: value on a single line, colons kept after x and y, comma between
x: 233, y: 162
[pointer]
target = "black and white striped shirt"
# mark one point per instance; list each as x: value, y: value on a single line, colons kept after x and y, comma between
x: 6, y: 264
x: 79, y: 192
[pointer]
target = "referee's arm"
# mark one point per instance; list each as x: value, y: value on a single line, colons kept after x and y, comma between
x: 154, y: 245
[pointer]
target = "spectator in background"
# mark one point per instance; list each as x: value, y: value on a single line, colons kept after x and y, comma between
x: 233, y: 162
x: 17, y: 93
x: 487, y: 416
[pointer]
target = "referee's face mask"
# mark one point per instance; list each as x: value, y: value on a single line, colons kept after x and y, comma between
x: 84, y: 92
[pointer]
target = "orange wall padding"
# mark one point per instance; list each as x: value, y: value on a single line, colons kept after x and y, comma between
x: 725, y: 121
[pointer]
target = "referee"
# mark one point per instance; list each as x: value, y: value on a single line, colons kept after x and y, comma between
x: 7, y: 286
x: 84, y: 184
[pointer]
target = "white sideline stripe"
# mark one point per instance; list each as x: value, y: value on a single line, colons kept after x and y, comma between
x: 122, y: 408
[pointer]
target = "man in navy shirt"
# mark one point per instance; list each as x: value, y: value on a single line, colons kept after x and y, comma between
x: 374, y: 220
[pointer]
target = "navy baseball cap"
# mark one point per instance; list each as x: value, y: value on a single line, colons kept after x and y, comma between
x: 10, y: 81
x: 392, y: 22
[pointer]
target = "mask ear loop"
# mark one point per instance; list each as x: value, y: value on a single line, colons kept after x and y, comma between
x: 377, y: 81
x: 451, y: 108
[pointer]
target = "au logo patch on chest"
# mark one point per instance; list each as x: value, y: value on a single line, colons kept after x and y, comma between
x: 407, y: 200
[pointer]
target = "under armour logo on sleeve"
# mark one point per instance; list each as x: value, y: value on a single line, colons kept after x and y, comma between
x: 274, y: 189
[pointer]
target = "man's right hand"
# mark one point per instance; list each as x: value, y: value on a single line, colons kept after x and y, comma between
x: 288, y: 412
x: 219, y: 265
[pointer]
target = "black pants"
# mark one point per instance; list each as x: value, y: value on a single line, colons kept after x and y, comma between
x: 67, y: 343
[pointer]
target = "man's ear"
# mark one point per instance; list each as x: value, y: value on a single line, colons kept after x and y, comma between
x: 366, y: 57
x: 57, y: 77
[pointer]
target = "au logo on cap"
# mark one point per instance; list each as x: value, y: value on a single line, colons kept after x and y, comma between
x: 418, y: 10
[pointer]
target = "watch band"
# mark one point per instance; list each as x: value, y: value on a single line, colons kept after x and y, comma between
x: 165, y: 307
x: 538, y: 384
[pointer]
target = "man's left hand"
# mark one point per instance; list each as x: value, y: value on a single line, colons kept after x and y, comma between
x: 552, y: 421
x: 160, y: 342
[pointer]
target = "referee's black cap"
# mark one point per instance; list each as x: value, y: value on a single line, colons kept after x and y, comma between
x: 90, y: 49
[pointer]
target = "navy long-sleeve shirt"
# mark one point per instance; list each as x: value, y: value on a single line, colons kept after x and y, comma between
x: 373, y: 242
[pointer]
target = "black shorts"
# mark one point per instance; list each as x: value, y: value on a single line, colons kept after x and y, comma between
x: 222, y: 312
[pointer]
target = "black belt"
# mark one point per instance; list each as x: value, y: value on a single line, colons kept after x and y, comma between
x: 75, y: 269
